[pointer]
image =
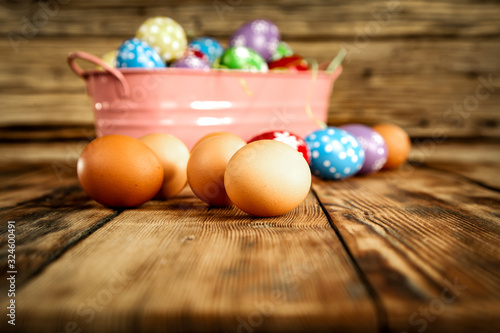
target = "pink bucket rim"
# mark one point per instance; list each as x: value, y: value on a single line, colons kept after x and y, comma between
x: 120, y: 72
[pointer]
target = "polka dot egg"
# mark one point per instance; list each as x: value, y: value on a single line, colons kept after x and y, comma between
x: 208, y: 46
x: 192, y: 62
x: 373, y: 144
x: 261, y: 36
x: 165, y: 35
x: 335, y: 154
x: 243, y: 58
x: 137, y: 53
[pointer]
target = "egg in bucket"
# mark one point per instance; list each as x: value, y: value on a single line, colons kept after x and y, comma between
x: 189, y: 103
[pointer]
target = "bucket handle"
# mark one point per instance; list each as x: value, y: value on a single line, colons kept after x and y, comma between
x: 125, y: 91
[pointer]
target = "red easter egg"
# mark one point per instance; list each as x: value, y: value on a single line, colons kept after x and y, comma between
x: 294, y: 62
x: 198, y: 54
x: 290, y: 139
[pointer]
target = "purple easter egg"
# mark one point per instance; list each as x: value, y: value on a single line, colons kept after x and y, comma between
x: 373, y: 144
x: 191, y: 61
x: 262, y: 36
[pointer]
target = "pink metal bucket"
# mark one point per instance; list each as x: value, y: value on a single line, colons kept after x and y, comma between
x: 190, y: 103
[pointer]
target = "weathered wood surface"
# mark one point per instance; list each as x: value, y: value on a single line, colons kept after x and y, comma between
x: 428, y: 244
x: 63, y: 154
x: 411, y: 71
x: 51, y: 213
x: 323, y: 19
x: 182, y: 266
x: 21, y: 183
x: 373, y: 253
x: 484, y: 173
x: 386, y: 81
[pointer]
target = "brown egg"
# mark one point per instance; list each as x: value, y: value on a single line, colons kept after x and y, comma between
x: 267, y: 178
x: 211, y: 135
x: 398, y: 144
x: 119, y: 171
x: 173, y: 155
x: 206, y: 167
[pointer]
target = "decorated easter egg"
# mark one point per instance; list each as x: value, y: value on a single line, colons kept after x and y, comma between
x: 373, y: 144
x: 198, y: 54
x: 261, y: 36
x: 283, y: 50
x: 165, y: 35
x: 335, y: 154
x: 192, y: 62
x: 241, y: 57
x: 294, y: 62
x: 209, y: 46
x: 137, y: 53
x: 110, y: 58
x: 290, y: 139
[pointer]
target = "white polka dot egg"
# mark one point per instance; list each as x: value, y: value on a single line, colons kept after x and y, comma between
x: 137, y: 53
x: 335, y: 154
x: 166, y: 36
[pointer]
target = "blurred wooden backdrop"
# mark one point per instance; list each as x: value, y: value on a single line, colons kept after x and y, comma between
x: 430, y: 66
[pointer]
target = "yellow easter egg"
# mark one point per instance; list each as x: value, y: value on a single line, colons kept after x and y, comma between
x: 165, y: 36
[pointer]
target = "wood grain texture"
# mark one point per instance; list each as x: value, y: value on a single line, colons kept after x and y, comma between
x: 430, y: 150
x: 400, y: 241
x: 43, y: 133
x: 51, y: 214
x: 422, y: 85
x: 297, y: 19
x: 413, y: 68
x: 483, y: 173
x: 20, y: 183
x: 180, y: 266
x: 416, y: 233
x: 427, y: 151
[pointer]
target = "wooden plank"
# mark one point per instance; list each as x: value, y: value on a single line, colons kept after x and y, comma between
x: 406, y: 82
x: 51, y: 215
x: 19, y: 183
x: 297, y: 19
x: 47, y: 109
x: 64, y: 153
x: 485, y: 174
x: 427, y: 242
x: 456, y: 60
x: 179, y: 266
x: 433, y: 151
x: 428, y: 151
x: 40, y: 133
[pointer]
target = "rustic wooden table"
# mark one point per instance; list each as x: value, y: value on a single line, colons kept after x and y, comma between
x: 414, y: 250
x: 411, y: 250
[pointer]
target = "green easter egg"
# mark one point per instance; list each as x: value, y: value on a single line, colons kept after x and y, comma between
x: 240, y: 57
x: 283, y: 50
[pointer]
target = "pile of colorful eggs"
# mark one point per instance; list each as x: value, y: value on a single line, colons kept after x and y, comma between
x: 161, y: 42
x: 267, y: 176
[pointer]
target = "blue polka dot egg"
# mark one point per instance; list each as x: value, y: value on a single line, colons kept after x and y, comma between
x: 208, y: 46
x: 335, y: 154
x: 137, y: 53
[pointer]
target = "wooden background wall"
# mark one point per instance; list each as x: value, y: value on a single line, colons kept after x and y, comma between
x: 410, y: 62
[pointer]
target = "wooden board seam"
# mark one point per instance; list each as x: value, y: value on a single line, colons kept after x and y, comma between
x: 382, y: 318
x: 70, y: 244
